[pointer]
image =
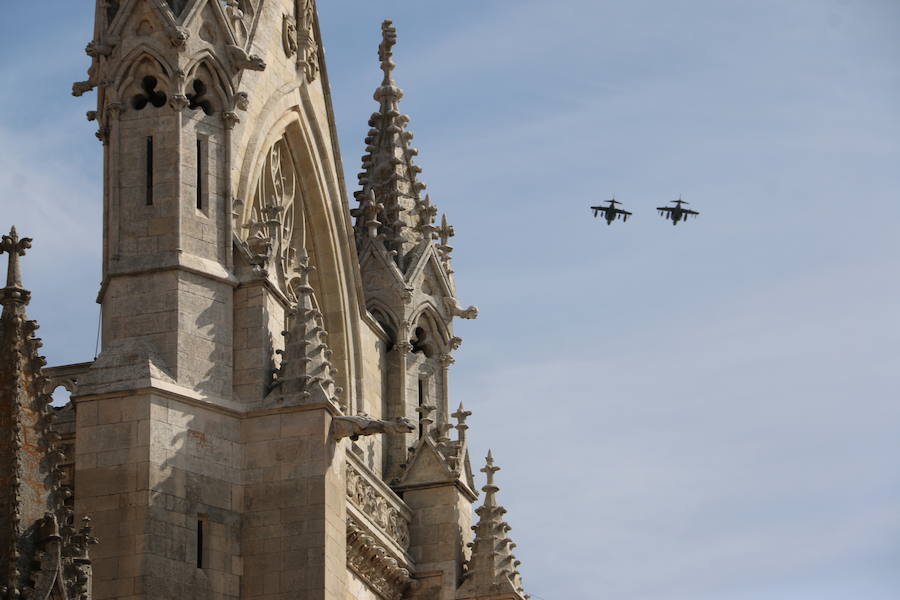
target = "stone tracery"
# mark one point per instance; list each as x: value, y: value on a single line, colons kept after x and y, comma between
x: 274, y: 227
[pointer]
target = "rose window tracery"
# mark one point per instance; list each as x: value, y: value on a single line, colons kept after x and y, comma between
x: 274, y: 227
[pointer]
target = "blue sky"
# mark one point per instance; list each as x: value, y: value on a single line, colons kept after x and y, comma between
x: 699, y: 412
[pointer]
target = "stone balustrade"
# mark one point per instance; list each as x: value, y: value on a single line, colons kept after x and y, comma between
x: 377, y: 503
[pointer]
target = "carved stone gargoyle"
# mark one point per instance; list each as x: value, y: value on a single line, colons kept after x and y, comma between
x: 242, y: 60
x: 458, y: 311
x: 362, y: 424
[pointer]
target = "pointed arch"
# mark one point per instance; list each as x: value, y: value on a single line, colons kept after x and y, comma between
x: 140, y: 63
x: 420, y: 268
x: 207, y: 69
x: 195, y: 11
x: 328, y: 236
x: 385, y: 317
x: 427, y: 316
x: 128, y: 7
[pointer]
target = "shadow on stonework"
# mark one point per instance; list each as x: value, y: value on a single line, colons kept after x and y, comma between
x: 215, y: 380
x: 193, y: 533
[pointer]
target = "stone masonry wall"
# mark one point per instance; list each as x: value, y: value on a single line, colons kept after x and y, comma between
x: 148, y: 469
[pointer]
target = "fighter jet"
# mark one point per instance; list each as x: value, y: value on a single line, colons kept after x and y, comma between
x: 611, y: 213
x: 676, y: 213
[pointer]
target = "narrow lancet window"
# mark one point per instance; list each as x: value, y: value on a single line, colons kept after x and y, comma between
x: 200, y: 543
x: 149, y: 168
x: 421, y: 407
x: 200, y: 159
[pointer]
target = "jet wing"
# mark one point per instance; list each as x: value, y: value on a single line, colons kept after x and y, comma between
x: 689, y: 212
x: 596, y: 210
x: 667, y: 209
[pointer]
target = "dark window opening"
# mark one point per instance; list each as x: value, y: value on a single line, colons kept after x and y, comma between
x: 420, y: 342
x: 149, y: 95
x: 421, y: 405
x: 112, y: 7
x: 177, y: 6
x: 199, y: 543
x: 149, y: 168
x: 199, y: 98
x: 200, y: 158
x: 385, y: 324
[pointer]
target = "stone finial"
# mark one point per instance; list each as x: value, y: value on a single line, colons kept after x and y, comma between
x: 370, y: 209
x: 303, y: 270
x: 490, y: 469
x: 425, y: 416
x: 427, y: 214
x: 461, y: 415
x: 386, y: 55
x: 442, y: 435
x: 445, y: 232
x: 15, y: 247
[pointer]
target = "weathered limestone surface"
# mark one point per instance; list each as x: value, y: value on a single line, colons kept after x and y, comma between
x: 269, y: 415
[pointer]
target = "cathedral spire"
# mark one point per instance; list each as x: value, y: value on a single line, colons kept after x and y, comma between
x: 390, y: 200
x: 491, y: 571
x: 32, y: 500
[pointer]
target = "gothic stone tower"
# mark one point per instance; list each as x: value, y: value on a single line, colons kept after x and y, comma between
x: 269, y: 415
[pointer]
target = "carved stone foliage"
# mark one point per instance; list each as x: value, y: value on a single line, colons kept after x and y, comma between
x: 289, y: 35
x: 274, y: 226
x: 307, y: 48
x: 373, y: 504
x: 374, y: 565
x: 298, y: 36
